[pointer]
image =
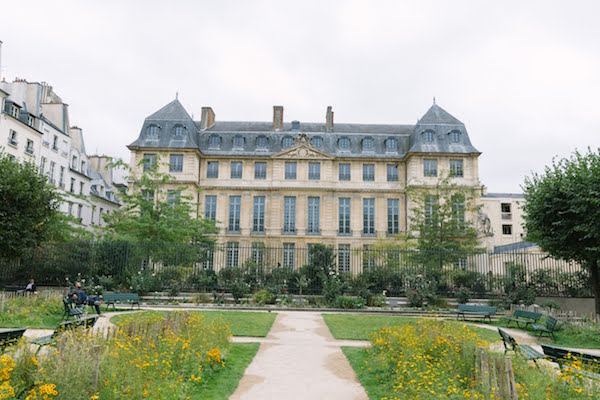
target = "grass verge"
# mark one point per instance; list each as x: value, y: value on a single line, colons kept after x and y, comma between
x: 370, y: 382
x: 241, y: 323
x: 359, y: 327
x: 222, y: 384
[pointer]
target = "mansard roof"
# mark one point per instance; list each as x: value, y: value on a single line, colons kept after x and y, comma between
x: 407, y: 137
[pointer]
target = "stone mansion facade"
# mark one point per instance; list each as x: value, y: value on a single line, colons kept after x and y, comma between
x: 289, y: 185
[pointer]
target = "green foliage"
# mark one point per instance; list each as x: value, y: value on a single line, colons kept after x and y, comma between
x: 562, y: 210
x: 239, y: 289
x: 349, y: 302
x: 29, y: 212
x: 263, y: 297
x: 332, y: 286
x: 37, y: 311
x: 415, y: 298
x: 463, y: 295
x: 552, y: 305
x: 148, y: 215
x: 468, y: 279
x: 322, y: 260
x: 144, y: 282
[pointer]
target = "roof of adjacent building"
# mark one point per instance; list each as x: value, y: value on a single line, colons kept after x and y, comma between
x: 162, y: 129
x: 506, y: 248
x: 505, y: 195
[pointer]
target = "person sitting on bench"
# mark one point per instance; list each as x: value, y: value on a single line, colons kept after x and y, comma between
x: 79, y: 297
x: 30, y: 288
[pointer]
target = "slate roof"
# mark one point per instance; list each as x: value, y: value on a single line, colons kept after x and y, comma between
x: 506, y: 248
x: 505, y: 195
x: 408, y: 137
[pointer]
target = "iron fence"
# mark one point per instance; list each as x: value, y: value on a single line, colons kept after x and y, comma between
x: 126, y: 266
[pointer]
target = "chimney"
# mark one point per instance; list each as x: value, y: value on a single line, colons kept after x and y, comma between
x: 329, y: 120
x: 207, y: 119
x: 277, y: 118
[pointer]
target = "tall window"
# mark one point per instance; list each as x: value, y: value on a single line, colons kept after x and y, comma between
x: 369, y: 216
x: 149, y: 161
x: 72, y: 188
x: 79, y: 210
x: 458, y: 211
x: 176, y: 163
x: 429, y: 167
x: 236, y: 170
x: 212, y: 169
x: 288, y: 255
x: 257, y: 253
x: 233, y: 254
x: 344, y: 258
x: 456, y: 168
x: 12, y: 138
x: 368, y: 172
x: 430, y: 211
x: 344, y: 172
x: 29, y: 147
x: 368, y: 257
x: 290, y: 170
x: 314, y: 171
x: 51, y: 172
x: 317, y: 141
x: 43, y: 166
x: 344, y: 216
x: 173, y: 197
x: 393, y: 216
x: 260, y: 170
x: 235, y: 204
x: 61, y: 177
x: 258, y: 221
x: 344, y: 143
x: 289, y: 214
x: 287, y: 141
x: 55, y: 143
x: 392, y: 172
x: 313, y: 215
x: 207, y: 253
x: 210, y: 208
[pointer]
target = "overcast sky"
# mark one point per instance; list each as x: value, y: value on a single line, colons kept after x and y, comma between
x: 524, y: 76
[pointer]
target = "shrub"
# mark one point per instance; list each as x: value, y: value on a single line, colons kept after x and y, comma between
x: 239, y: 289
x: 551, y: 305
x: 143, y: 282
x: 469, y: 280
x: 463, y: 295
x: 264, y: 296
x: 203, y: 279
x: 349, y: 302
x: 415, y: 298
x: 332, y: 286
x: 378, y: 300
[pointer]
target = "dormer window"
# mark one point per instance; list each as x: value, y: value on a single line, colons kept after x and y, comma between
x: 238, y: 142
x: 344, y: 143
x: 367, y: 144
x: 14, y: 111
x: 317, y: 141
x: 391, y: 144
x: 214, y: 142
x: 179, y: 130
x: 428, y: 135
x: 152, y: 132
x: 261, y: 142
x: 74, y: 162
x: 29, y: 120
x: 287, y: 142
x: 455, y: 136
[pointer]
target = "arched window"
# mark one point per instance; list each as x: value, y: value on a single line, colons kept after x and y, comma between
x: 428, y: 135
x: 238, y: 142
x: 287, y: 142
x: 152, y: 131
x: 344, y: 143
x: 261, y: 142
x: 391, y: 144
x: 214, y: 142
x: 454, y: 136
x: 179, y: 130
x: 367, y: 144
x: 317, y: 141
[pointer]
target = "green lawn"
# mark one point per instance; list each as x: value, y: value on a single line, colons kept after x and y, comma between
x: 241, y: 323
x: 369, y: 381
x: 222, y: 384
x: 359, y: 327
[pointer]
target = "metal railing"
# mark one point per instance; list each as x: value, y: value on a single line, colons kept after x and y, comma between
x: 221, y: 265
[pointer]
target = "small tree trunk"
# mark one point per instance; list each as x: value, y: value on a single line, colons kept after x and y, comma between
x: 595, y: 278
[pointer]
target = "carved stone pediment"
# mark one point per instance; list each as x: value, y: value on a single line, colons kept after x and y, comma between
x: 303, y: 150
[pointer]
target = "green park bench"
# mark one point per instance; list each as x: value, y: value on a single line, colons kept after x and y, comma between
x: 523, y: 317
x: 71, y: 309
x: 590, y: 364
x: 549, y: 328
x: 526, y: 351
x: 129, y: 298
x: 475, y: 311
x: 85, y: 322
x: 10, y: 337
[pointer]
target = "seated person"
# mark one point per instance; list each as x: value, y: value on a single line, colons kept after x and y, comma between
x: 79, y: 297
x: 30, y: 288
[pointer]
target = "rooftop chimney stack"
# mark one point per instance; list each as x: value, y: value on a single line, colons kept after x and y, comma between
x: 329, y: 120
x: 277, y: 118
x: 207, y: 119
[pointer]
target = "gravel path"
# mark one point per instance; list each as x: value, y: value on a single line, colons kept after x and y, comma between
x: 299, y: 359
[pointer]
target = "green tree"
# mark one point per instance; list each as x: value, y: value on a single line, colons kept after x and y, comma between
x: 562, y: 211
x: 29, y: 212
x: 156, y: 211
